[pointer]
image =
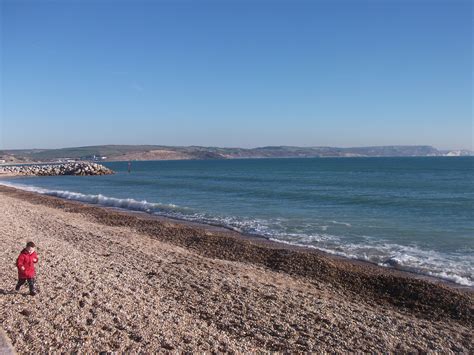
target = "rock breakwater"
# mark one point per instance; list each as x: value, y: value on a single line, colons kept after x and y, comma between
x: 76, y: 168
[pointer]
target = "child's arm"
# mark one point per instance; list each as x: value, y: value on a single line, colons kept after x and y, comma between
x: 35, y: 257
x: 20, y: 263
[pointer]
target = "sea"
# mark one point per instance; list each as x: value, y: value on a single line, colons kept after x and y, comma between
x: 412, y: 213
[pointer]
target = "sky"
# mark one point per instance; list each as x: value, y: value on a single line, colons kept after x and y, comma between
x: 236, y: 73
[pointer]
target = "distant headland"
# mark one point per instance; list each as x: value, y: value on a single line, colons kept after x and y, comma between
x: 159, y: 152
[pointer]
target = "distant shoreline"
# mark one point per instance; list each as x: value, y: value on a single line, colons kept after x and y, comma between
x: 231, y: 159
x: 159, y: 152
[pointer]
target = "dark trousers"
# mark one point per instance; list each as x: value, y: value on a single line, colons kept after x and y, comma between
x: 31, y: 284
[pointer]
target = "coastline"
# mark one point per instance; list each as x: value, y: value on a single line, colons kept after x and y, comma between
x: 268, y: 242
x: 261, y: 241
x: 283, y: 282
x: 278, y: 244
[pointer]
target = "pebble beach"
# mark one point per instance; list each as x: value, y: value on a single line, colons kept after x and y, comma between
x: 116, y: 281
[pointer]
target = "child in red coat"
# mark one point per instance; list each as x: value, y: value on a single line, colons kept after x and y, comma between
x: 26, y: 267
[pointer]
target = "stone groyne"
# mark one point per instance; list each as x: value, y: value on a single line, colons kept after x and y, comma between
x: 76, y: 168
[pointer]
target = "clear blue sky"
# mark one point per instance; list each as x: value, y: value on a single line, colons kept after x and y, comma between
x: 236, y: 73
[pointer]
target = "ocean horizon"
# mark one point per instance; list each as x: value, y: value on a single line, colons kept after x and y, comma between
x: 413, y: 214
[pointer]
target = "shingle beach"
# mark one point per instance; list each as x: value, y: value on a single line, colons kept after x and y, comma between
x: 116, y: 281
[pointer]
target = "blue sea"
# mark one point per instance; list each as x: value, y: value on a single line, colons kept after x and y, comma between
x: 414, y: 214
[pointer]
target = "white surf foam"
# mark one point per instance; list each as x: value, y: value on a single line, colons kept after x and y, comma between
x: 454, y: 268
x: 423, y: 262
x: 127, y: 203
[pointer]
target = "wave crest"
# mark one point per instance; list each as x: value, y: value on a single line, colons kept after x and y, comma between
x: 454, y: 268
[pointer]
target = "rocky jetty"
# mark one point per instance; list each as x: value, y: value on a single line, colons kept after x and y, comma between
x: 76, y: 168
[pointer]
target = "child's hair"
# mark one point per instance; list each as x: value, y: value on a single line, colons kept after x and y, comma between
x: 30, y: 245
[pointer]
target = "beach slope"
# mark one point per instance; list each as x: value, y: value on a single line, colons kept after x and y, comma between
x: 115, y: 281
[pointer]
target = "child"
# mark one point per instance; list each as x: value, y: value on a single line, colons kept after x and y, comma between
x: 26, y: 267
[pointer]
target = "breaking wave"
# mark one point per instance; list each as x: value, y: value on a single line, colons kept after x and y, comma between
x: 127, y: 203
x: 451, y: 267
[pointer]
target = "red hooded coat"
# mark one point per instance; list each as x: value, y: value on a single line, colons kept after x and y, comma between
x: 26, y: 264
